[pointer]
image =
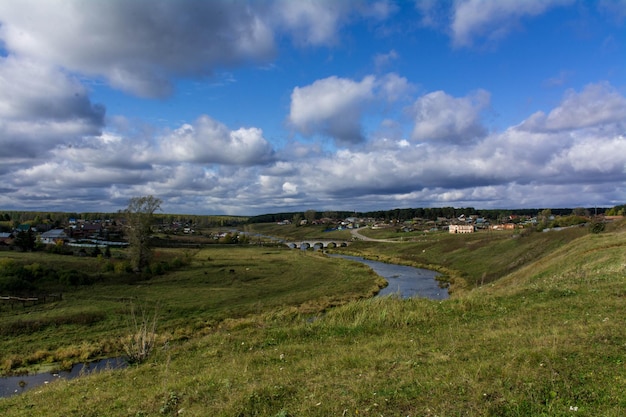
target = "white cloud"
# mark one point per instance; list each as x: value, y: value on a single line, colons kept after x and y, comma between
x: 493, y: 19
x: 393, y: 87
x: 597, y: 104
x: 317, y: 22
x: 335, y: 106
x: 312, y: 22
x: 434, y: 13
x: 589, y: 155
x: 210, y: 142
x: 332, y: 106
x: 440, y: 117
x: 383, y: 60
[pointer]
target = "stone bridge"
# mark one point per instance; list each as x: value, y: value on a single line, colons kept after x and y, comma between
x: 317, y: 244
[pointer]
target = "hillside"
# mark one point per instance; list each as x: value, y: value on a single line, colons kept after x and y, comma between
x: 547, y: 339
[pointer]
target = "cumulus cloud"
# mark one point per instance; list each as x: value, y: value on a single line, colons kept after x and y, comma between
x: 41, y: 108
x: 317, y: 22
x: 493, y: 19
x: 335, y: 106
x: 440, y: 117
x: 137, y: 45
x: 56, y: 147
x: 312, y: 22
x: 597, y: 104
x: 332, y: 106
x: 210, y: 142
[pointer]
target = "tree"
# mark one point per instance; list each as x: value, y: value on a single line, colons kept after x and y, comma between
x: 310, y: 216
x: 580, y: 211
x: 139, y: 217
x: 25, y: 240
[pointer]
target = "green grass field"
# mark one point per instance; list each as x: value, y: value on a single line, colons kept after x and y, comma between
x: 217, y: 283
x: 543, y: 334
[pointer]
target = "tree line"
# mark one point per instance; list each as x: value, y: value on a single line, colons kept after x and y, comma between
x: 428, y: 213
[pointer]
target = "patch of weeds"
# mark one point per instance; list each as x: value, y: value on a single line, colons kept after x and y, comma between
x: 170, y: 404
x: 267, y: 401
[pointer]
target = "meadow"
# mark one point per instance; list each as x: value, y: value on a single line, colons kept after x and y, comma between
x: 535, y: 326
x: 210, y: 285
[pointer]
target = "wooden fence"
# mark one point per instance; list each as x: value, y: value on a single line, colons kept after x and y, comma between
x: 25, y: 301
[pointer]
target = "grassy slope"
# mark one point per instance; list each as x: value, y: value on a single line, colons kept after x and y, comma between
x: 472, y: 259
x: 90, y: 321
x: 545, y: 340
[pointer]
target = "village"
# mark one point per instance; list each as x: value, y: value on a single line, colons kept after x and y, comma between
x: 109, y: 230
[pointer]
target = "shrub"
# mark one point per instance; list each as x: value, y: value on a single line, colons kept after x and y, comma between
x: 123, y: 267
x: 15, y: 285
x: 597, y: 227
x: 75, y: 278
x: 142, y: 338
x: 59, y: 250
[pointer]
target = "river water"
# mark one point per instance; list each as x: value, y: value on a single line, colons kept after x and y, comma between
x: 405, y: 281
x: 13, y: 385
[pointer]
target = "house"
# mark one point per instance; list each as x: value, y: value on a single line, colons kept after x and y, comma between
x: 6, y: 239
x: 25, y: 227
x: 461, y: 228
x: 505, y: 226
x: 54, y: 236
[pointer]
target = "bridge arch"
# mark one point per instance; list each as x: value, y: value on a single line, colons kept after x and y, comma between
x: 316, y: 244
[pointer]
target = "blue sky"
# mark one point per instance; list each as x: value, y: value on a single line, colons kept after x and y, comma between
x: 249, y: 107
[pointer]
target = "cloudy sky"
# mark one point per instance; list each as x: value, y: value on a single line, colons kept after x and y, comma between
x: 250, y: 107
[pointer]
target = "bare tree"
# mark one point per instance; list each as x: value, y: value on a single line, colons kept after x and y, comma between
x: 139, y: 217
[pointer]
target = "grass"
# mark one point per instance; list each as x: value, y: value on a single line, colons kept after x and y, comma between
x: 546, y: 339
x: 471, y: 260
x: 291, y: 232
x: 219, y: 283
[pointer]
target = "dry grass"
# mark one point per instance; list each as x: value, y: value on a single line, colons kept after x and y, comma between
x: 142, y: 337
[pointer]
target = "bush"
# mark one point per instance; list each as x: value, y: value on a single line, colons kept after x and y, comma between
x: 75, y: 278
x: 597, y: 227
x: 142, y: 338
x: 15, y: 285
x: 123, y: 267
x: 59, y: 250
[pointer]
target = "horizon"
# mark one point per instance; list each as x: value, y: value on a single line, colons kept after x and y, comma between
x: 513, y: 210
x: 262, y: 107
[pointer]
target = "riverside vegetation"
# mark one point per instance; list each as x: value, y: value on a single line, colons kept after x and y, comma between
x: 535, y: 326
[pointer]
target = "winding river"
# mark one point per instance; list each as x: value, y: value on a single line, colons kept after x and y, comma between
x: 405, y: 281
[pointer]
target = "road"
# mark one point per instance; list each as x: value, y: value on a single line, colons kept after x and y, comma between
x: 359, y: 236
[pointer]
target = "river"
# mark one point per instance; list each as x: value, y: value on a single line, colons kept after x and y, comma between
x: 405, y: 281
x: 12, y: 385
